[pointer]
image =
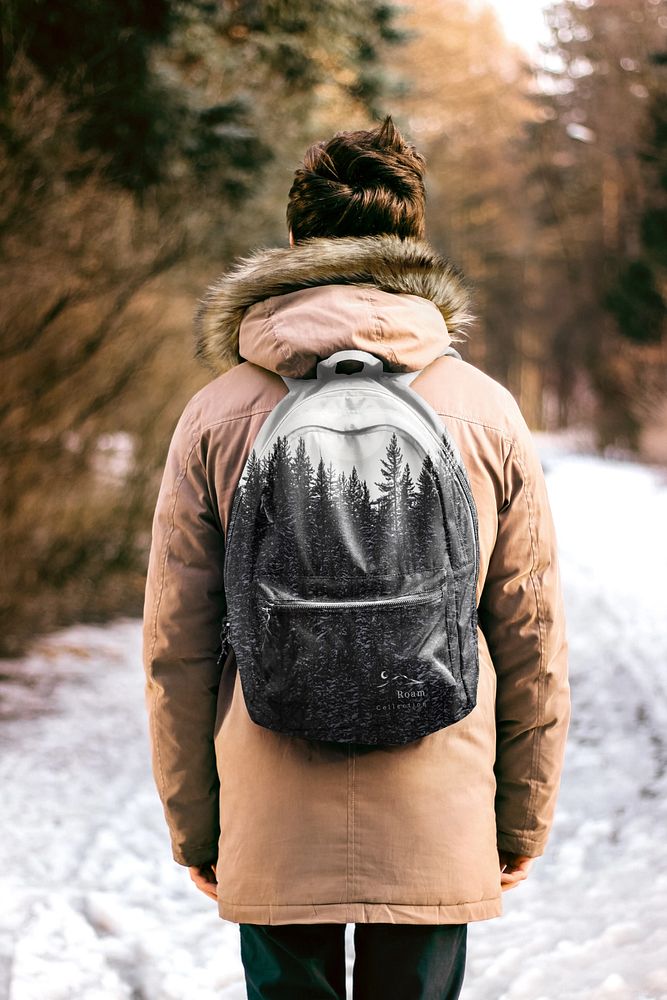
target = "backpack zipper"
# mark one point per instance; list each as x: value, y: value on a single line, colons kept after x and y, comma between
x: 425, y: 598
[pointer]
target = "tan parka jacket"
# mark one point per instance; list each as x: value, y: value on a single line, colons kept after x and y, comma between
x: 312, y: 834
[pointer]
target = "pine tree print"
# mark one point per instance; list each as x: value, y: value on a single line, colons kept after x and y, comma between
x: 302, y: 478
x: 331, y: 528
x: 388, y: 544
x: 406, y: 505
x: 321, y: 520
x: 281, y: 505
x: 426, y: 512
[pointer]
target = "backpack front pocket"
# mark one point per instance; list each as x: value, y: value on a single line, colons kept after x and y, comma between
x: 369, y: 670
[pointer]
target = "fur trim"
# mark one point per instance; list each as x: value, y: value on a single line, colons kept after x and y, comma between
x: 390, y: 263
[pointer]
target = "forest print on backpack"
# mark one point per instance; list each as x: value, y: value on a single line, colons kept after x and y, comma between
x: 351, y: 563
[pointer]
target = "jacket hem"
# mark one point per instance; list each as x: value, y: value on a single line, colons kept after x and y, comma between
x: 360, y: 912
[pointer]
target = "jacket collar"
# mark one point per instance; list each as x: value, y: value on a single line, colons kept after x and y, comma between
x: 286, y: 308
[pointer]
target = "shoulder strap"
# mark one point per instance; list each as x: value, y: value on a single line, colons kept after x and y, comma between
x: 327, y: 367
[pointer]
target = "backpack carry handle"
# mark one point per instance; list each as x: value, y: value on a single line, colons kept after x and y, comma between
x: 370, y: 365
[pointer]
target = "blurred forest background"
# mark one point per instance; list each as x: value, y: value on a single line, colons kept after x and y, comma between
x: 145, y: 143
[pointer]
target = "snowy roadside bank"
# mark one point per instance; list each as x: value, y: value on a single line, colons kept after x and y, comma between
x: 93, y: 908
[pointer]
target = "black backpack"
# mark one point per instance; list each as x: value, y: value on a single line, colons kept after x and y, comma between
x: 351, y: 563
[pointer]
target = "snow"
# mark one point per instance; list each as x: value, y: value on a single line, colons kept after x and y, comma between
x: 93, y: 907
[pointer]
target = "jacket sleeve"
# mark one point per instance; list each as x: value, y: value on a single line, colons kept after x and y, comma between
x: 522, y: 617
x: 183, y: 611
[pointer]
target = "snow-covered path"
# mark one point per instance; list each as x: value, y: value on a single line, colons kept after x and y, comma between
x: 93, y: 908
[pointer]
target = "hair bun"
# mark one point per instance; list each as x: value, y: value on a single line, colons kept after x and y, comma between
x: 359, y: 183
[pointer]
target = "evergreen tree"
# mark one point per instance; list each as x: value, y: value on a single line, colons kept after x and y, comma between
x: 406, y: 503
x: 341, y: 486
x: 407, y: 492
x: 320, y: 520
x: 352, y: 548
x: 389, y: 502
x: 302, y: 477
x: 335, y: 557
x: 354, y: 493
x: 424, y: 512
x: 249, y: 493
x: 331, y: 480
x: 368, y: 523
x: 282, y: 550
x: 252, y: 481
x: 636, y: 298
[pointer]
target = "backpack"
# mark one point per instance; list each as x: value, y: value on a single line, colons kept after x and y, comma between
x: 351, y: 563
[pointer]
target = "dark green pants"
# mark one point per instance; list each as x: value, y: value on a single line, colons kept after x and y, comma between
x: 392, y: 961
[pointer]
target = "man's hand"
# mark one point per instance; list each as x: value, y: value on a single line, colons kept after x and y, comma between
x: 205, y: 878
x: 513, y: 869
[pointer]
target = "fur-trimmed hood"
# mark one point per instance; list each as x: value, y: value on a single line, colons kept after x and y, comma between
x: 386, y: 273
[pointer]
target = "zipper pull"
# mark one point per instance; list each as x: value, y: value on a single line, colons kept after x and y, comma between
x: 266, y: 616
x: 225, y: 643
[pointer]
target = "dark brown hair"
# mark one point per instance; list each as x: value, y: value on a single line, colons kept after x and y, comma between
x: 365, y: 183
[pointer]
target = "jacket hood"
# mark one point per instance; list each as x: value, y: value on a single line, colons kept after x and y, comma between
x: 286, y: 308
